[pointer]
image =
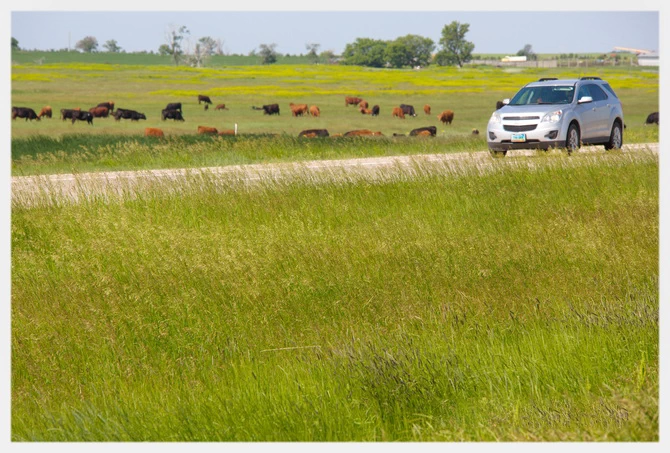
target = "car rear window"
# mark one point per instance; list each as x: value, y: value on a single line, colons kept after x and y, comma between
x: 610, y: 90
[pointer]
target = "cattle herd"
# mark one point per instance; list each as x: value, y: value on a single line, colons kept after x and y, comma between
x: 173, y: 111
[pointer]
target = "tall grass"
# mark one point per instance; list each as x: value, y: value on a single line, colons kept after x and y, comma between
x: 511, y: 302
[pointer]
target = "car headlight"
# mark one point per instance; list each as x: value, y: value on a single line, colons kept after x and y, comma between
x: 553, y: 117
x: 495, y: 118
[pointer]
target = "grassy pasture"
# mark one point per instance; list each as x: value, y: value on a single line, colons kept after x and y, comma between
x: 471, y: 92
x: 516, y: 303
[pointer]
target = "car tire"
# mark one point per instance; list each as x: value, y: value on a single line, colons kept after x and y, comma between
x: 572, y: 139
x: 616, y: 137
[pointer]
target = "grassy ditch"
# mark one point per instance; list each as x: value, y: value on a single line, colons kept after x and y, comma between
x: 512, y: 302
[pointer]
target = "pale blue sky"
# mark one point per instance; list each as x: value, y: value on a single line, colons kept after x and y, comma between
x: 491, y: 32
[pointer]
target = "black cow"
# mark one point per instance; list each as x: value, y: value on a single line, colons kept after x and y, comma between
x: 203, y: 98
x: 270, y: 109
x: 314, y: 133
x: 375, y: 110
x: 171, y: 114
x: 66, y: 114
x: 82, y: 116
x: 128, y: 115
x: 652, y: 118
x: 408, y: 109
x: 174, y: 106
x: 109, y: 105
x: 499, y: 105
x: 24, y: 112
x: 431, y: 129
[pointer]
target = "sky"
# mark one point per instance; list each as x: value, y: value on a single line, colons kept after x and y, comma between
x: 500, y: 32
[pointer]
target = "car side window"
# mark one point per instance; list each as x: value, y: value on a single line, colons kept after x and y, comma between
x: 597, y: 93
x: 583, y: 91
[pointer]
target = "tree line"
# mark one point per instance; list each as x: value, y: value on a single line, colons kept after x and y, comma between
x: 409, y: 50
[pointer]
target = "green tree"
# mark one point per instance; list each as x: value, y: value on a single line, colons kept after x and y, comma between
x: 365, y: 52
x: 112, y: 46
x: 87, y: 44
x: 312, y: 49
x: 174, y: 37
x: 455, y: 49
x: 15, y: 44
x: 208, y: 45
x: 268, y: 53
x: 527, y: 51
x: 164, y: 50
x: 410, y: 50
x: 327, y: 56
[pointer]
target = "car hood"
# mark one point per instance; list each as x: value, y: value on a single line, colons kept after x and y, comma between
x: 530, y: 110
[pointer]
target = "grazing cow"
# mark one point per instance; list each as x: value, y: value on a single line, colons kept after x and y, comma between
x: 66, y: 114
x: 203, y: 98
x: 446, y: 117
x: 408, y: 109
x: 171, y: 114
x: 365, y: 111
x: 270, y: 109
x: 174, y: 106
x: 499, y: 105
x: 99, y: 112
x: 375, y: 110
x: 220, y: 107
x: 227, y: 132
x: 475, y: 131
x: 314, y: 111
x: 363, y: 104
x: 46, y: 111
x: 361, y: 133
x: 397, y: 112
x: 153, y: 132
x: 82, y: 116
x: 206, y: 107
x: 109, y: 105
x: 426, y: 109
x: 350, y: 100
x: 311, y: 133
x: 429, y: 130
x: 24, y: 112
x: 298, y: 109
x: 207, y: 130
x: 126, y: 114
x: 652, y: 118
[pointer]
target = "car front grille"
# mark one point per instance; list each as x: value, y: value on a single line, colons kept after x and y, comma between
x: 529, y: 127
x: 521, y: 118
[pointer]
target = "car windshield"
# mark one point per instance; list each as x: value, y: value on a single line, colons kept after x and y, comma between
x: 533, y: 95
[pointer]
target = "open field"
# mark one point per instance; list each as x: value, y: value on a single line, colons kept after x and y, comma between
x: 447, y: 304
x: 52, y: 145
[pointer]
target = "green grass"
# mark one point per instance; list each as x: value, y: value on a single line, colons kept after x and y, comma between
x: 511, y: 302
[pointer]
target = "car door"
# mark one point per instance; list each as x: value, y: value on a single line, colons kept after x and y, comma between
x: 603, y: 108
x: 586, y: 112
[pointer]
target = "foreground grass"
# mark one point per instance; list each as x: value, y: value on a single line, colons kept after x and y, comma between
x: 509, y: 304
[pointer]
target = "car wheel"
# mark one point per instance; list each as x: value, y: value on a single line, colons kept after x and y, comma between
x: 616, y: 137
x: 572, y: 140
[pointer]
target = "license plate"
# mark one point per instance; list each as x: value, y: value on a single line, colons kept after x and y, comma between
x: 518, y: 137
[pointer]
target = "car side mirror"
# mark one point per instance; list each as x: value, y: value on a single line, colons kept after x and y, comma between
x: 506, y: 101
x: 585, y: 99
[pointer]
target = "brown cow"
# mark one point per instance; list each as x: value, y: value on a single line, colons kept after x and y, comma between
x: 220, y: 107
x: 426, y: 109
x: 350, y: 100
x: 227, y: 132
x: 475, y: 131
x: 207, y: 130
x: 99, y: 112
x: 361, y: 132
x: 314, y: 111
x: 298, y: 109
x: 312, y: 133
x: 46, y: 111
x: 446, y: 117
x: 365, y: 111
x: 153, y: 132
x: 109, y: 105
x: 397, y: 111
x: 203, y: 98
x: 363, y: 104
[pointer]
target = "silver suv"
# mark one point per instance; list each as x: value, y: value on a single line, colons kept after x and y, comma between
x: 552, y: 113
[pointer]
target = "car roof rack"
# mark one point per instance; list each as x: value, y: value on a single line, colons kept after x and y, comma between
x: 590, y: 78
x: 544, y: 79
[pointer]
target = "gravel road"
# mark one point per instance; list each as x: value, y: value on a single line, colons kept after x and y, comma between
x: 26, y: 189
